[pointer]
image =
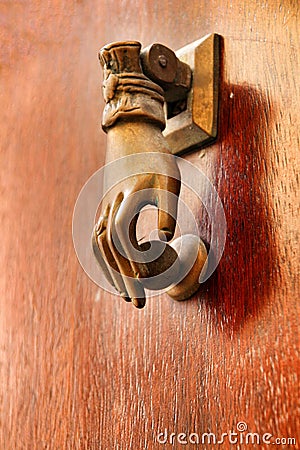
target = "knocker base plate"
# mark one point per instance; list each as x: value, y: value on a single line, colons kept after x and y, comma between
x: 196, y: 126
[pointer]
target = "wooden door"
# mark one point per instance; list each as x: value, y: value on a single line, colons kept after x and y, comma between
x: 79, y: 368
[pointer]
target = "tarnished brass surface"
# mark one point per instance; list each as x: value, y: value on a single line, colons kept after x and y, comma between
x: 133, y: 119
x: 162, y: 66
x: 196, y: 126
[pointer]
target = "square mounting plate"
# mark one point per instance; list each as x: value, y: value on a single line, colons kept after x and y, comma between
x: 196, y: 126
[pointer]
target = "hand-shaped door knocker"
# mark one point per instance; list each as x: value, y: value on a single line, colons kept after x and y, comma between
x: 135, y: 88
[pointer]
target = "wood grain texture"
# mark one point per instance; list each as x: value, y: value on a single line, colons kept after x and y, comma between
x: 79, y: 368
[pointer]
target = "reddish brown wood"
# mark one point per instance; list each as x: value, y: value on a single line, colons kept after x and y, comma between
x: 80, y: 369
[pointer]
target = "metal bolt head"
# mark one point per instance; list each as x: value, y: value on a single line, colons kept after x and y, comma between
x: 162, y: 61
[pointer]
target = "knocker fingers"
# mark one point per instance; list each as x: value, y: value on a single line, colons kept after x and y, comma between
x: 115, y: 228
x: 104, y: 256
x: 167, y: 193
